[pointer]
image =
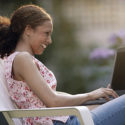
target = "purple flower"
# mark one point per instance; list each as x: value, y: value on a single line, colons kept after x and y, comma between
x: 113, y: 39
x: 118, y: 38
x: 101, y: 54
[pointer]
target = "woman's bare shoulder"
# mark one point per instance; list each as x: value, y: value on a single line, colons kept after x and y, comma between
x: 22, y: 57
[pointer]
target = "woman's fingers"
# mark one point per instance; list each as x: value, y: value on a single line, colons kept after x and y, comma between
x: 103, y: 93
x: 106, y: 92
x: 106, y: 97
x: 112, y: 92
x: 109, y: 86
x: 109, y: 92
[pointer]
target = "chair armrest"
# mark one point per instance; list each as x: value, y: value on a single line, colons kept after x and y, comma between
x: 81, y: 112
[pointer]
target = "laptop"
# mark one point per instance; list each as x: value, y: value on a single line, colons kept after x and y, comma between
x: 118, y: 77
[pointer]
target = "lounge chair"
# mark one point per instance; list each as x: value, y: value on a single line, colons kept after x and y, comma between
x: 12, y: 114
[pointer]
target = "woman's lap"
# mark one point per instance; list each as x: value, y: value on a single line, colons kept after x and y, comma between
x: 111, y: 113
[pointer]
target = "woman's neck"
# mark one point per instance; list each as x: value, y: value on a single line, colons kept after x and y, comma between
x: 24, y: 46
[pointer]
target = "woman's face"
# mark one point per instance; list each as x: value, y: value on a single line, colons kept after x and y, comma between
x: 40, y: 37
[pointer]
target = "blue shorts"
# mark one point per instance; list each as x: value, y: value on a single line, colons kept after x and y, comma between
x: 72, y: 120
x: 110, y: 113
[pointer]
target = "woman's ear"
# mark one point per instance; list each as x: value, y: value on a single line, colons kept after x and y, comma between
x: 28, y: 30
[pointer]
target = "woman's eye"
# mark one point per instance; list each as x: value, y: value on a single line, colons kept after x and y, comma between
x: 47, y: 33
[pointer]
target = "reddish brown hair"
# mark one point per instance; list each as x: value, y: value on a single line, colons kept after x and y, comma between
x: 11, y: 30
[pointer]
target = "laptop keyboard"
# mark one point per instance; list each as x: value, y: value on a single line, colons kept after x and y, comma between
x: 97, y: 101
x: 120, y: 92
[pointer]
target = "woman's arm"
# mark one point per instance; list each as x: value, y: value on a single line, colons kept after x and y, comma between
x: 64, y: 93
x: 25, y: 69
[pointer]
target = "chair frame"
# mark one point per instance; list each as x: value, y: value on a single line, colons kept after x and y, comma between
x: 81, y: 112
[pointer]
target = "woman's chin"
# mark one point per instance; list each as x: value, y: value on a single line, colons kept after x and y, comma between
x: 40, y: 53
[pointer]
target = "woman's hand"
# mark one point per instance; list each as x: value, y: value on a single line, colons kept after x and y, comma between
x: 109, y: 86
x: 103, y: 93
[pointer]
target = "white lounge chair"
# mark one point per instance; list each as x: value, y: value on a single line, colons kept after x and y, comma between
x: 11, y: 113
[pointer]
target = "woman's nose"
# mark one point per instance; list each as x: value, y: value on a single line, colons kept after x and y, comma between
x: 49, y: 40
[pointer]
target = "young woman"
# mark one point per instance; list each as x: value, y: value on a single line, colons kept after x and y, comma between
x: 31, y: 84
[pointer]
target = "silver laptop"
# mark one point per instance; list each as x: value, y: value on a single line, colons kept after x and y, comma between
x: 118, y: 77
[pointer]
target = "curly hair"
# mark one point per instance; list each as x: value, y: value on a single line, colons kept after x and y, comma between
x: 12, y: 29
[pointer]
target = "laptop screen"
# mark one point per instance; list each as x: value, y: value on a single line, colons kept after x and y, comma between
x: 118, y: 77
